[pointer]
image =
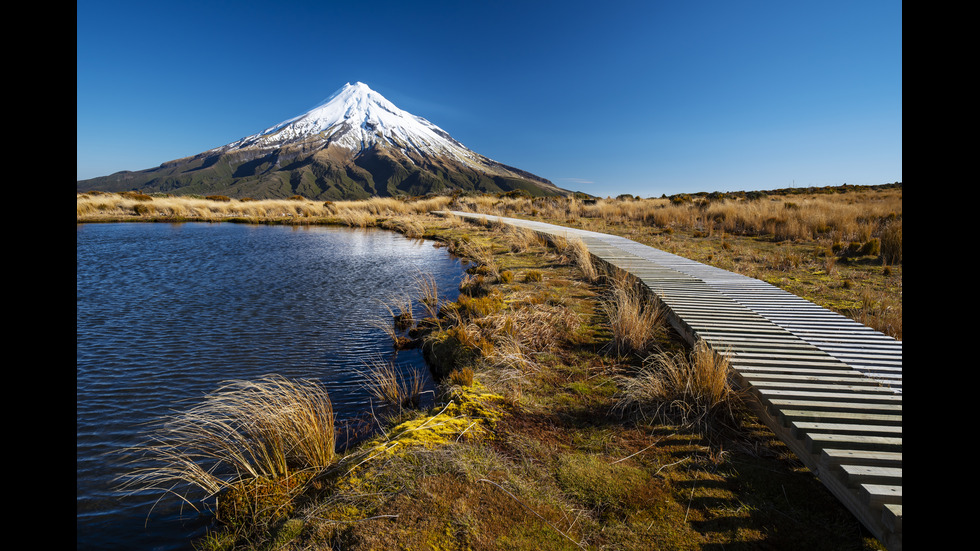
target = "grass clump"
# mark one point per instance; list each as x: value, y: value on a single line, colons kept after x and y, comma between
x: 634, y: 318
x: 136, y: 196
x: 691, y: 388
x: 480, y: 306
x: 402, y: 325
x: 481, y: 252
x: 580, y: 254
x: 522, y: 240
x: 393, y: 387
x: 533, y: 276
x: 457, y: 347
x: 410, y: 226
x: 574, y: 251
x: 891, y: 242
x: 268, y: 435
x: 428, y: 293
x: 461, y: 377
x: 400, y: 319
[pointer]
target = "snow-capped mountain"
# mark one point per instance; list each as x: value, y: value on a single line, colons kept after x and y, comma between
x: 355, y: 144
x: 356, y: 117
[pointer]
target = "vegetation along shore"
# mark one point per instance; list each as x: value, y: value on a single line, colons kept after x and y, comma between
x: 569, y: 415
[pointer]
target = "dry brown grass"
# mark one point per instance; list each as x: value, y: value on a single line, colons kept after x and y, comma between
x: 268, y: 429
x: 525, y: 330
x: 391, y: 387
x: 691, y: 388
x: 100, y: 206
x: 408, y: 225
x: 579, y: 254
x: 826, y: 245
x: 845, y: 217
x: 634, y: 318
x: 522, y: 240
x: 482, y: 253
x: 891, y: 242
x: 427, y: 292
x: 880, y: 312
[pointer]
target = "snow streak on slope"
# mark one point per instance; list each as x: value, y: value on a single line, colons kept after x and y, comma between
x: 356, y: 118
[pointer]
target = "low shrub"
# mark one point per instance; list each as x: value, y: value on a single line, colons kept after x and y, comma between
x: 871, y: 247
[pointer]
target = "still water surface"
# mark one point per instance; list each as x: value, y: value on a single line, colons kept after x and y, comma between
x: 166, y: 312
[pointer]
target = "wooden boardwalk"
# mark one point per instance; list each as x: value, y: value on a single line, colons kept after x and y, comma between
x: 829, y: 387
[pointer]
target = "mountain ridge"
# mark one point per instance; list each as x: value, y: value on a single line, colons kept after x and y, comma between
x: 353, y: 145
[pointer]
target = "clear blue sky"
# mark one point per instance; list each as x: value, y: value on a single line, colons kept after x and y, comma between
x: 608, y: 97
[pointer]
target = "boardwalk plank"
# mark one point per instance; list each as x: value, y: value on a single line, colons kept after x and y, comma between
x: 857, y: 475
x: 878, y: 495
x: 800, y: 428
x: 816, y: 441
x: 857, y: 416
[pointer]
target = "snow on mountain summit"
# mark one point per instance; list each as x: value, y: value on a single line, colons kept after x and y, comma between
x: 356, y: 118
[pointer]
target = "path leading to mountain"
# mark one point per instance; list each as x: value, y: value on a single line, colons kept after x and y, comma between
x: 829, y: 387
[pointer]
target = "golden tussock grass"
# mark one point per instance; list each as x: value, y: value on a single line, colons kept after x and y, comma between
x: 522, y: 240
x: 271, y: 429
x: 391, y: 386
x: 482, y: 253
x: 827, y: 245
x: 891, y: 242
x: 852, y: 216
x: 579, y: 254
x: 400, y: 318
x: 634, y: 318
x: 880, y: 312
x: 407, y: 225
x: 427, y: 292
x: 98, y: 206
x: 523, y: 331
x: 691, y: 388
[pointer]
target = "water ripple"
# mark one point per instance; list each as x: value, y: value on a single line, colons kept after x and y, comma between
x: 165, y: 313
